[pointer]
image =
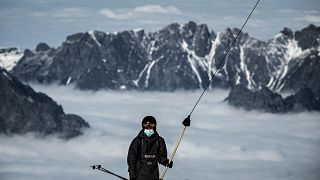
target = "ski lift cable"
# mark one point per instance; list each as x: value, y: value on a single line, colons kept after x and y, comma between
x: 224, y: 57
x: 206, y: 87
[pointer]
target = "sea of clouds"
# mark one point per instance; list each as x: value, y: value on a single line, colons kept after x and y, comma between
x: 223, y: 142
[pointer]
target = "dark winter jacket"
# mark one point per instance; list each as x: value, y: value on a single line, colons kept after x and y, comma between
x: 144, y: 155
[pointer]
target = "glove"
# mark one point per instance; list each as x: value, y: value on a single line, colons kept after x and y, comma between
x: 133, y: 178
x: 169, y: 165
x: 186, y: 121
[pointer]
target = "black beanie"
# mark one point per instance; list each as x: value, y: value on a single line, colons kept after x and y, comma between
x: 149, y: 119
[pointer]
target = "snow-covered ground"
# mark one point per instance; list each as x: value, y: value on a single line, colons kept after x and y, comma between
x: 8, y: 59
x: 222, y: 143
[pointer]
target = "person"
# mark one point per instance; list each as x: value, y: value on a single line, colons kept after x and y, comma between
x: 148, y: 149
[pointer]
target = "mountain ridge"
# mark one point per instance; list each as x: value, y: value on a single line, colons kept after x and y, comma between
x: 179, y: 56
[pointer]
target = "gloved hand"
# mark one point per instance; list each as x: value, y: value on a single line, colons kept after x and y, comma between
x: 186, y: 121
x: 133, y: 178
x: 169, y: 165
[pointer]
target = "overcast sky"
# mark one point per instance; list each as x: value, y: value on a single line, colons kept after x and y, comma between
x: 25, y: 23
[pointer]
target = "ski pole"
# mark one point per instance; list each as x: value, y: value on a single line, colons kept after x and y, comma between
x: 107, y: 171
x: 174, y: 151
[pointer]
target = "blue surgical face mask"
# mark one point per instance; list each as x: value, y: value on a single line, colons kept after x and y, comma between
x: 149, y: 132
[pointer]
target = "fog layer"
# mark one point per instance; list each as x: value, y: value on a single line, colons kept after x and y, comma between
x: 222, y: 143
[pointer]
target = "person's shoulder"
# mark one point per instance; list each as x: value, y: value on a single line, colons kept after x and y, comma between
x: 137, y: 138
x: 160, y: 138
x: 135, y: 141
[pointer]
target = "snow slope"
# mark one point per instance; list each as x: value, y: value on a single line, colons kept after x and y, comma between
x: 9, y: 57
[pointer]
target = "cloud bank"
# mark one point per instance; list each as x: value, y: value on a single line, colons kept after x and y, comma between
x: 139, y: 12
x: 311, y: 19
x: 157, y: 9
x: 222, y: 142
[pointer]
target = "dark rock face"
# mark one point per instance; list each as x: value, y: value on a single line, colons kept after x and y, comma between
x: 23, y: 110
x: 304, y: 72
x: 263, y: 99
x: 179, y: 56
x: 304, y: 99
x: 42, y: 47
x: 308, y: 37
x: 172, y: 58
x: 266, y: 100
x: 34, y: 66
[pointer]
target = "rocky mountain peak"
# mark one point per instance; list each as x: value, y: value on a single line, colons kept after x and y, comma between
x: 74, y: 37
x: 28, y: 53
x: 139, y: 33
x: 189, y: 27
x: 308, y: 37
x: 287, y: 32
x: 23, y: 110
x: 173, y: 27
x: 42, y: 47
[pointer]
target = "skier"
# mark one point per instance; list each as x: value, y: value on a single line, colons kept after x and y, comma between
x: 147, y: 150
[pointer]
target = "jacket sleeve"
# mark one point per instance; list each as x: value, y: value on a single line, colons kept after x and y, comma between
x: 162, y: 151
x: 132, y: 157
